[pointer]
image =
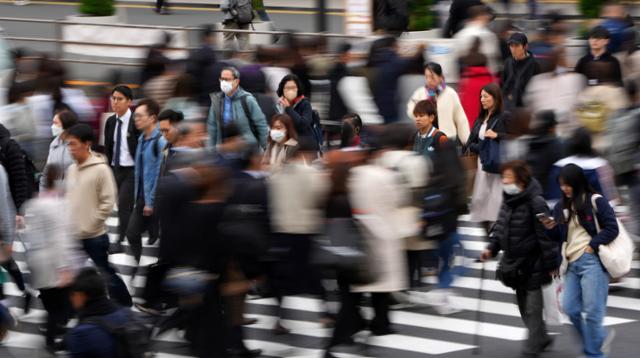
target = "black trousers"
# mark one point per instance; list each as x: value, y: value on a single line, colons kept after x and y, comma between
x: 125, y: 181
x: 349, y: 320
x: 98, y: 250
x: 56, y: 303
x: 160, y: 4
x: 530, y: 305
x: 138, y: 224
x: 14, y: 271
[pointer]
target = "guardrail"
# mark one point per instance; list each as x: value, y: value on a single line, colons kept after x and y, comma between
x: 60, y: 42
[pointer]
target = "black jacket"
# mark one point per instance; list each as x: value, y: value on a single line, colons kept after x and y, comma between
x: 615, y: 76
x: 302, y: 115
x: 337, y: 108
x: 515, y: 77
x: 12, y: 159
x: 498, y: 122
x: 109, y: 139
x: 458, y: 13
x: 521, y: 236
x: 544, y: 152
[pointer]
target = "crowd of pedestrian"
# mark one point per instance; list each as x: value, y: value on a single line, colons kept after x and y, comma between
x: 249, y: 175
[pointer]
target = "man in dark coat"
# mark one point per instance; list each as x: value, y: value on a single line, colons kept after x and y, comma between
x: 458, y: 13
x: 518, y: 70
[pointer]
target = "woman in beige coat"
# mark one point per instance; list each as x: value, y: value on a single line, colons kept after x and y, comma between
x: 452, y: 119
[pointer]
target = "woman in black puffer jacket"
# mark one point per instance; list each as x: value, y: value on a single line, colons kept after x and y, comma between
x: 529, y: 257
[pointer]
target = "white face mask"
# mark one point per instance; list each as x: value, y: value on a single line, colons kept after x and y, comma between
x: 277, y: 135
x: 56, y: 130
x: 511, y: 189
x: 226, y: 86
x: 290, y: 95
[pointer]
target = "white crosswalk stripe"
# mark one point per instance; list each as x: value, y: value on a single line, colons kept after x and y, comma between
x: 420, y: 330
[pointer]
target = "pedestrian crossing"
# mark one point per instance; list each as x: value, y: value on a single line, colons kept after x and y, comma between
x: 421, y: 331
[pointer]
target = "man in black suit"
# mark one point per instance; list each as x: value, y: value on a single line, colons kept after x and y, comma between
x: 120, y: 142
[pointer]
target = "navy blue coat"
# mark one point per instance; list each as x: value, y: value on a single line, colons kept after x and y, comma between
x: 606, y: 219
x: 87, y: 340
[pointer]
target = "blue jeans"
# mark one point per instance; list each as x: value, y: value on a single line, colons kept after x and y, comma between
x: 585, y: 290
x: 445, y: 253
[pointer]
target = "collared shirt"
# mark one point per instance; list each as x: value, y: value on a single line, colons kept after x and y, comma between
x: 125, y: 155
x: 227, y: 111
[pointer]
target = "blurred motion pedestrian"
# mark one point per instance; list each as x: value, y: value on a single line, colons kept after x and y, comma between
x: 391, y: 16
x: 583, y: 223
x: 351, y: 131
x: 337, y: 107
x: 544, y: 148
x: 18, y: 118
x: 614, y: 19
x: 458, y: 14
x: 148, y: 161
x: 120, y: 143
x: 518, y: 70
x: 283, y: 142
x: 162, y: 7
x: 53, y: 254
x: 238, y: 15
x: 58, y: 152
x: 451, y: 119
x: 529, y: 256
x: 202, y: 65
x: 477, y: 29
x: 91, y: 192
x: 156, y: 61
x: 235, y: 106
x: 488, y: 130
x: 597, y: 170
x: 297, y: 194
x: 475, y: 75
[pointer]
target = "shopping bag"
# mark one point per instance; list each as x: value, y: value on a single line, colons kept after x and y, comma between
x: 552, y: 299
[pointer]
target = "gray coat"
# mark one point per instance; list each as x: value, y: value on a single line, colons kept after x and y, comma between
x: 58, y: 155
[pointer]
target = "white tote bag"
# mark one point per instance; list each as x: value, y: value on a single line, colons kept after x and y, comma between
x: 617, y: 255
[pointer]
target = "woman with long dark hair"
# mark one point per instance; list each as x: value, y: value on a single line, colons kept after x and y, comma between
x: 575, y: 222
x: 490, y: 126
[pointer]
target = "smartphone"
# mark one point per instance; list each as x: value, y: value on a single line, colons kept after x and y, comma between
x: 543, y: 216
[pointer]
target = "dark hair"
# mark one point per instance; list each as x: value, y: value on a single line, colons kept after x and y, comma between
x: 152, y: 106
x: 477, y: 11
x: 82, y: 131
x: 288, y: 125
x: 494, y: 91
x: 124, y: 90
x: 53, y: 172
x: 287, y: 78
x: 580, y: 143
x: 573, y: 176
x: 344, y: 48
x: 170, y: 115
x: 184, y: 86
x: 90, y: 282
x: 435, y: 68
x: 427, y: 107
x: 546, y: 120
x: 520, y: 169
x: 350, y: 123
x: 68, y: 119
x: 397, y: 135
x: 599, y: 32
x: 207, y: 30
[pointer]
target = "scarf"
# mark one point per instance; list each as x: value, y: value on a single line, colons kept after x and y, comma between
x: 297, y: 100
x: 433, y: 93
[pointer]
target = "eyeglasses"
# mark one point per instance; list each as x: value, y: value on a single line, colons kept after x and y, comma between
x: 118, y: 99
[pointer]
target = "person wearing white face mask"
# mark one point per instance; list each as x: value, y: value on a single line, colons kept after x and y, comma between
x: 58, y: 153
x: 283, y: 142
x: 529, y: 256
x: 293, y: 103
x: 237, y: 107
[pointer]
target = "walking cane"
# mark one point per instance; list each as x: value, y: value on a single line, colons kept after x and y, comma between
x: 476, y: 337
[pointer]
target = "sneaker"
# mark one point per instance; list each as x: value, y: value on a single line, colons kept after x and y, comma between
x: 606, y: 345
x: 400, y: 300
x: 27, y: 302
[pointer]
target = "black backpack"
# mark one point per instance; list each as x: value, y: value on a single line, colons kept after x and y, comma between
x: 33, y: 176
x: 132, y: 338
x: 242, y: 11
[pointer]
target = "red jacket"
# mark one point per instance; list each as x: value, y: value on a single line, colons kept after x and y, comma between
x: 472, y: 80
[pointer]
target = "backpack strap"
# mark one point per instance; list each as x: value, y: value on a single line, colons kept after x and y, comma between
x: 247, y: 113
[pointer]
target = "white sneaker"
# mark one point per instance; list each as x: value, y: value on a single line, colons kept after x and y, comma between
x: 606, y: 345
x: 21, y: 2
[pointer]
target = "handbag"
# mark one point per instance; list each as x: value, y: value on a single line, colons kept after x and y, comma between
x: 617, y: 255
x: 490, y: 154
x: 470, y: 164
x: 552, y: 302
x: 344, y: 248
x: 511, y: 272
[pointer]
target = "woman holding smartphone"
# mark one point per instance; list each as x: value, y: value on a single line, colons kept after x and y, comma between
x: 529, y: 257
